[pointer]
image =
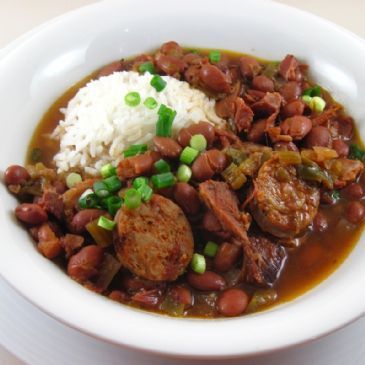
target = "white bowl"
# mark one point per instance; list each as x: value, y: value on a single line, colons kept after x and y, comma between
x: 38, y: 68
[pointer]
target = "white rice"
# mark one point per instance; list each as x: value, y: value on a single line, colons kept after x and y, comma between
x: 98, y: 126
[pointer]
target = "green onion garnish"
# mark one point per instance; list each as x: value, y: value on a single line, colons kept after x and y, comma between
x: 106, y: 223
x: 356, y: 153
x: 113, y: 184
x: 72, y: 179
x: 318, y: 104
x: 132, y: 99
x: 140, y: 181
x: 335, y: 195
x: 164, y: 180
x: 214, y: 56
x: 166, y: 117
x: 100, y: 189
x: 210, y: 249
x: 90, y: 200
x: 158, y: 83
x: 150, y: 103
x: 146, y: 192
x: 146, y: 67
x: 188, y: 155
x: 135, y: 149
x: 108, y: 170
x: 198, y: 263
x: 313, y: 91
x: 112, y: 203
x: 132, y: 198
x: 198, y: 142
x: 162, y: 166
x: 183, y: 173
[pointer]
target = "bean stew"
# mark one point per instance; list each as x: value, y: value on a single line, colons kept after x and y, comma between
x: 214, y: 221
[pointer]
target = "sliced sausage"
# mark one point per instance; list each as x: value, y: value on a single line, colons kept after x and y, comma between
x: 154, y: 241
x: 283, y: 208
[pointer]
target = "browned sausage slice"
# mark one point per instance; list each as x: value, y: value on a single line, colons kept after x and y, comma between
x: 155, y: 240
x: 283, y: 207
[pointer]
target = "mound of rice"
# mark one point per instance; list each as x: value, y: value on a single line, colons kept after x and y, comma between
x: 98, y: 126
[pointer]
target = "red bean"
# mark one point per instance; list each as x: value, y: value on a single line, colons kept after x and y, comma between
x: 318, y: 136
x: 297, y: 127
x: 257, y: 131
x: 295, y: 107
x: 84, y: 217
x: 208, y: 164
x: 285, y: 146
x: 204, y: 128
x: 320, y: 222
x: 291, y: 91
x: 111, y: 68
x: 182, y: 295
x: 167, y: 147
x: 341, y: 147
x: 169, y: 64
x: 232, y: 302
x: 249, y: 67
x: 355, y: 212
x: 353, y: 191
x: 172, y: 49
x: 208, y: 281
x: 85, y: 264
x: 226, y: 256
x: 187, y: 198
x: 214, y: 79
x: 15, y: 175
x: 31, y: 214
x: 263, y: 83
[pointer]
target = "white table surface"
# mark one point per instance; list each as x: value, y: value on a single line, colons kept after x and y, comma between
x: 347, y: 346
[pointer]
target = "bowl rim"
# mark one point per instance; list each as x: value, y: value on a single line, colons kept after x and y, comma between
x: 162, y: 350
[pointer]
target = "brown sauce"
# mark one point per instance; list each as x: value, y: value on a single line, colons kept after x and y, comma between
x: 307, y: 266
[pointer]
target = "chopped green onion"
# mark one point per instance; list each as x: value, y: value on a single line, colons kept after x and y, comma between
x: 313, y: 91
x: 198, y: 263
x: 335, y: 195
x: 72, y: 179
x: 356, y: 153
x: 135, y: 149
x: 307, y: 99
x: 188, y: 155
x: 210, y: 249
x: 166, y: 117
x: 113, y: 184
x: 198, y: 142
x: 146, y: 192
x: 214, y: 56
x: 162, y: 166
x: 184, y: 173
x: 158, y: 83
x: 100, y: 189
x: 150, y: 103
x: 318, y: 104
x: 112, y: 203
x: 146, y: 67
x: 106, y: 223
x: 132, y: 99
x: 86, y: 193
x: 90, y: 200
x: 132, y: 198
x: 140, y: 181
x: 108, y: 170
x: 164, y: 180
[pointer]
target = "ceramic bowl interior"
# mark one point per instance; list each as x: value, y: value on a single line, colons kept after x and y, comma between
x: 39, y: 67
